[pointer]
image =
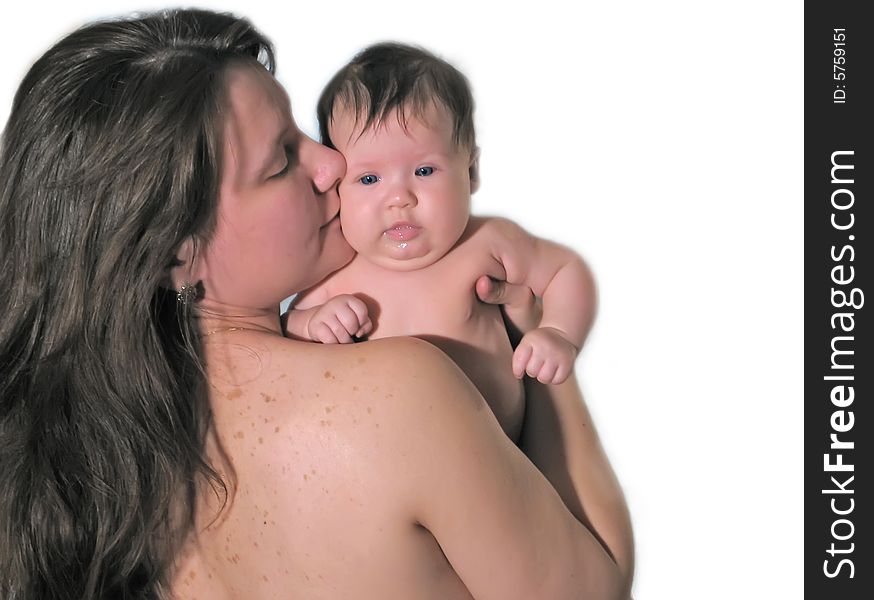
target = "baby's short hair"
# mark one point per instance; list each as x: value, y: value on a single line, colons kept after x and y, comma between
x: 388, y: 76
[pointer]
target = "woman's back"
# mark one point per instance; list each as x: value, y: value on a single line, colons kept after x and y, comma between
x: 374, y: 470
x: 320, y: 509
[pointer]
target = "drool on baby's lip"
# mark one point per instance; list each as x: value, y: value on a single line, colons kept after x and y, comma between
x: 402, y: 231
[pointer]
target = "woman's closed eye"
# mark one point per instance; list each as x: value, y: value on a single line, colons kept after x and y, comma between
x: 290, y: 162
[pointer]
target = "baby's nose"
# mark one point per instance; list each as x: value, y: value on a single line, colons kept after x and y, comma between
x: 402, y: 197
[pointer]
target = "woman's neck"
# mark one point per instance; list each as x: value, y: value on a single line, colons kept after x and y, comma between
x: 214, y: 317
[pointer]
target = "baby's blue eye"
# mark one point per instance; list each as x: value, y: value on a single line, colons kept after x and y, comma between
x: 424, y: 171
x: 369, y: 179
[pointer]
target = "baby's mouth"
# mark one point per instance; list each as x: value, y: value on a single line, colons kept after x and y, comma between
x: 402, y: 232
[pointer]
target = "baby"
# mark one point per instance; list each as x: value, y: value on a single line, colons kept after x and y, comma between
x: 403, y: 120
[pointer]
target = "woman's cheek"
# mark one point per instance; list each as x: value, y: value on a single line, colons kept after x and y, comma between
x: 352, y: 216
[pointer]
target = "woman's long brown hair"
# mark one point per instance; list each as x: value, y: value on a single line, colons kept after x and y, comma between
x: 109, y: 161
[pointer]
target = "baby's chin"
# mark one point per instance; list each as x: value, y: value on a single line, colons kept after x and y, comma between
x: 397, y: 259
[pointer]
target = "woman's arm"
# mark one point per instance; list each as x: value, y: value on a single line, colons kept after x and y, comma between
x: 559, y: 437
x: 500, y: 523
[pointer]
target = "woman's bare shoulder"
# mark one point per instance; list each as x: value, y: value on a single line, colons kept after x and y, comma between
x: 399, y: 377
x: 271, y: 363
x: 358, y: 392
x: 351, y: 367
x: 340, y: 410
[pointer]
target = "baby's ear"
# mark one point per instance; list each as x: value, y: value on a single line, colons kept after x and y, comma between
x: 474, y: 170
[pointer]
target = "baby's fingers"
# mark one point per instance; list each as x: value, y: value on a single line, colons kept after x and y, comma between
x: 520, y: 359
x: 535, y: 363
x: 358, y: 306
x: 562, y: 373
x: 321, y: 332
x: 546, y: 374
x: 366, y: 328
x: 349, y: 320
x: 339, y: 330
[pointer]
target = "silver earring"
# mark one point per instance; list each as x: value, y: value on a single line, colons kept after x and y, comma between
x: 187, y: 294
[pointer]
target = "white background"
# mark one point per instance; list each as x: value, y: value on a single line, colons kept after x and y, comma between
x: 663, y: 141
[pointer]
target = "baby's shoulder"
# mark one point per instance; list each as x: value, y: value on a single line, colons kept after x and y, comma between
x: 502, y: 239
x: 501, y: 229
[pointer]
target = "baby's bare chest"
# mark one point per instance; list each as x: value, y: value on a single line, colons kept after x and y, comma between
x: 439, y: 304
x: 438, y: 300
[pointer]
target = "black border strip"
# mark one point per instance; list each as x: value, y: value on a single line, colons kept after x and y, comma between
x: 839, y: 299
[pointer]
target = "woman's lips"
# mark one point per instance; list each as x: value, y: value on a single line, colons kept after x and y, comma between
x: 402, y: 232
x: 329, y: 227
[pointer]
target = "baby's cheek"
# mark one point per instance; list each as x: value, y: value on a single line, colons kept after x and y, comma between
x: 346, y: 196
x: 355, y: 221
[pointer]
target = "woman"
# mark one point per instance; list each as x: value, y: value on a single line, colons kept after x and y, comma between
x: 159, y: 436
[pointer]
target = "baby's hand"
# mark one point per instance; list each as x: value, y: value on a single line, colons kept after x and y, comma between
x: 338, y: 319
x: 544, y: 354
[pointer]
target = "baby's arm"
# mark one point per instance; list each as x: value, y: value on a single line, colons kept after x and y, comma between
x: 561, y: 278
x: 317, y: 316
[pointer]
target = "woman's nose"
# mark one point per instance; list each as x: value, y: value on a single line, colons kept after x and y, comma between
x: 326, y: 166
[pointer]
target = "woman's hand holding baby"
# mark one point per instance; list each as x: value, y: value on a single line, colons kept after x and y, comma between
x: 542, y: 353
x: 521, y: 308
x: 338, y: 320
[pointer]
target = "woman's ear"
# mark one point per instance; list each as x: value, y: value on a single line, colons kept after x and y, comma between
x: 474, y: 170
x: 184, y: 271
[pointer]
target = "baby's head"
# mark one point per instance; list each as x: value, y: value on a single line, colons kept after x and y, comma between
x: 403, y: 120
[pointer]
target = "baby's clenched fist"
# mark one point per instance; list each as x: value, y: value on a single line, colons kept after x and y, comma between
x: 545, y: 355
